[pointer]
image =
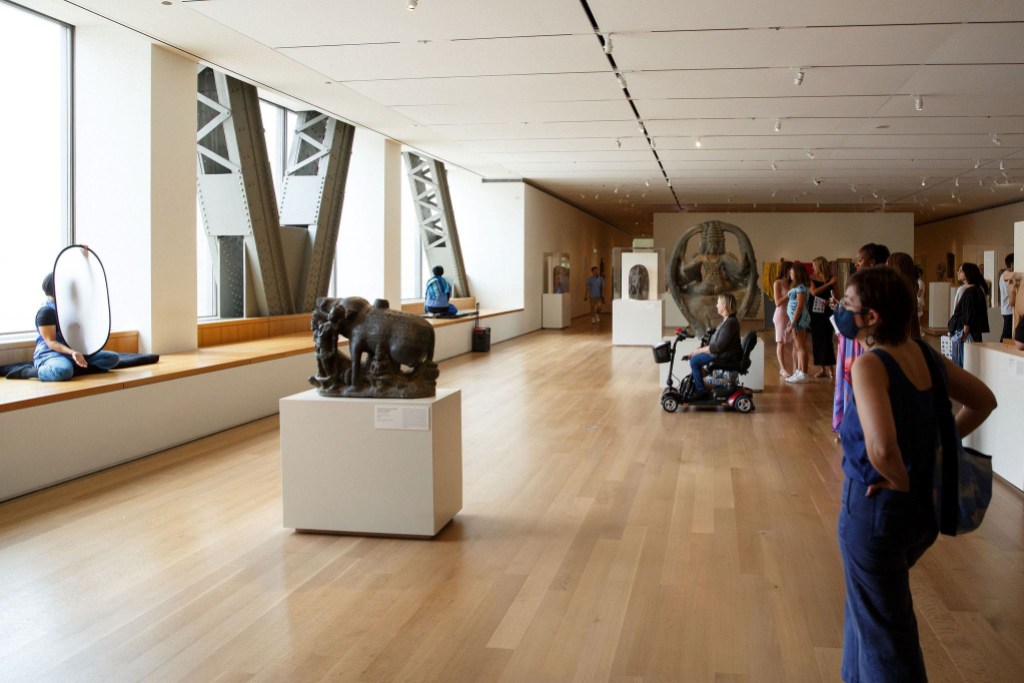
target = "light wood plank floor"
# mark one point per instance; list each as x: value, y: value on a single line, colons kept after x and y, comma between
x: 601, y: 539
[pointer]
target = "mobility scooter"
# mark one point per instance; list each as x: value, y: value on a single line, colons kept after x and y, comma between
x: 721, y: 380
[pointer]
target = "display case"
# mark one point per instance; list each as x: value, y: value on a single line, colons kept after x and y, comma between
x: 638, y: 279
x: 556, y: 311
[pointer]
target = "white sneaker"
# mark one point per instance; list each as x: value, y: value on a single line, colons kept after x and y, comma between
x: 797, y: 377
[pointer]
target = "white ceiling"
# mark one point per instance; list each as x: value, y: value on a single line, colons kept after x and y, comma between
x: 524, y: 89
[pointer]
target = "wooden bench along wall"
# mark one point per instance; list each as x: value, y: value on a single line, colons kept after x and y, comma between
x: 98, y: 421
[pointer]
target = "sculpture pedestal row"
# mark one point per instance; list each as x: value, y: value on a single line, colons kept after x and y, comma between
x: 360, y: 466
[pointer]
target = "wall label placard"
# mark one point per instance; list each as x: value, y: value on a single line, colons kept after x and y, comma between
x: 408, y: 418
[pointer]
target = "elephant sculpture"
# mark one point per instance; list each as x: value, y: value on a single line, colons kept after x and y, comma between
x: 398, y: 346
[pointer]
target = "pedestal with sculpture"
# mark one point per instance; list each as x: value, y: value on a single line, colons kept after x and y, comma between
x: 375, y: 447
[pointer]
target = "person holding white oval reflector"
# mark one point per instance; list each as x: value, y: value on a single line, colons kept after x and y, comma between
x: 74, y: 321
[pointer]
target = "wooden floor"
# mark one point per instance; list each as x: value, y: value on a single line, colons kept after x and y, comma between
x: 601, y: 539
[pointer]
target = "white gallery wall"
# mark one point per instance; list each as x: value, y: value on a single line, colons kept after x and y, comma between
x: 966, y: 237
x: 489, y: 219
x: 552, y: 226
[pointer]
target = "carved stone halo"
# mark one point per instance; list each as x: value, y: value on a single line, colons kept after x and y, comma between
x: 695, y: 296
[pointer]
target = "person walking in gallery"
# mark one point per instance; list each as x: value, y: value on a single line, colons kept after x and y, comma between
x: 595, y: 294
x: 903, y: 263
x: 723, y: 347
x: 887, y: 516
x: 798, y: 311
x: 970, y: 317
x: 848, y: 350
x: 822, y: 291
x: 1007, y: 297
x: 783, y: 336
x: 54, y: 360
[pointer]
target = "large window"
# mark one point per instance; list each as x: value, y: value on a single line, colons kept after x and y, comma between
x: 35, y: 54
x: 278, y: 130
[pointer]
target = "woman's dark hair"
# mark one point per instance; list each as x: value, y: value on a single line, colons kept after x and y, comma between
x: 973, y: 275
x: 877, y: 253
x: 887, y: 293
x: 784, y: 267
x: 800, y: 274
x: 48, y: 284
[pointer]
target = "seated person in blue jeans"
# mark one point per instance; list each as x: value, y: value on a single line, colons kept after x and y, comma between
x: 438, y: 292
x: 55, y: 361
x: 724, y: 346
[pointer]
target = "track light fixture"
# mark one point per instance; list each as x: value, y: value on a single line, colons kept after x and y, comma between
x: 924, y: 181
x: 778, y: 125
x: 918, y: 103
x: 607, y: 43
x: 810, y: 154
x: 1001, y: 167
x: 775, y: 166
x: 412, y: 5
x: 853, y: 188
x: 798, y: 77
x: 995, y: 140
x: 956, y: 183
x: 977, y: 163
x: 816, y: 182
x: 618, y: 143
x: 698, y: 142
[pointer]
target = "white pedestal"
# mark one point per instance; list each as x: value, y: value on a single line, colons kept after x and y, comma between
x: 369, y: 466
x: 1002, y: 434
x: 557, y: 311
x: 637, y: 323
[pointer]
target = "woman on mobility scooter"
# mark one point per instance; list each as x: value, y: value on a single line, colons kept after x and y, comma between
x: 724, y: 346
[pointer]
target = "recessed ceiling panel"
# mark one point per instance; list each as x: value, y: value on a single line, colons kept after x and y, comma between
x: 553, y: 145
x: 975, y: 79
x: 518, y: 112
x: 769, y: 82
x: 352, y: 22
x: 469, y: 90
x: 443, y: 59
x: 672, y: 15
x: 518, y: 131
x: 753, y: 107
x: 982, y: 43
x: 790, y: 48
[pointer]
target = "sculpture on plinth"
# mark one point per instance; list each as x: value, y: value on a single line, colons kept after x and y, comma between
x: 696, y: 281
x: 639, y: 283
x: 398, y: 349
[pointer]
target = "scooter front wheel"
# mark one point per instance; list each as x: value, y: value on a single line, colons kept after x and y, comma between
x: 670, y: 403
x: 743, y: 404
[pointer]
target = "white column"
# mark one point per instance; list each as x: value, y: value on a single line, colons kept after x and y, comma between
x: 369, y: 254
x: 135, y: 113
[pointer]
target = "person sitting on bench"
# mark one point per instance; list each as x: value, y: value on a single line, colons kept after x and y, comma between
x: 439, y: 291
x: 54, y: 360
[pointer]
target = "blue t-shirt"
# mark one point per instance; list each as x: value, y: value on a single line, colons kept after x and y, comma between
x: 438, y: 292
x: 595, y: 286
x: 805, y: 315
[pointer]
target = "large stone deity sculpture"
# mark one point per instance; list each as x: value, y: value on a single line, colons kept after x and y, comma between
x: 697, y: 277
x: 398, y: 349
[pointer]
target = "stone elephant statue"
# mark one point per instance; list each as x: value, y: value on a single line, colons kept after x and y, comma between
x: 390, y: 338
